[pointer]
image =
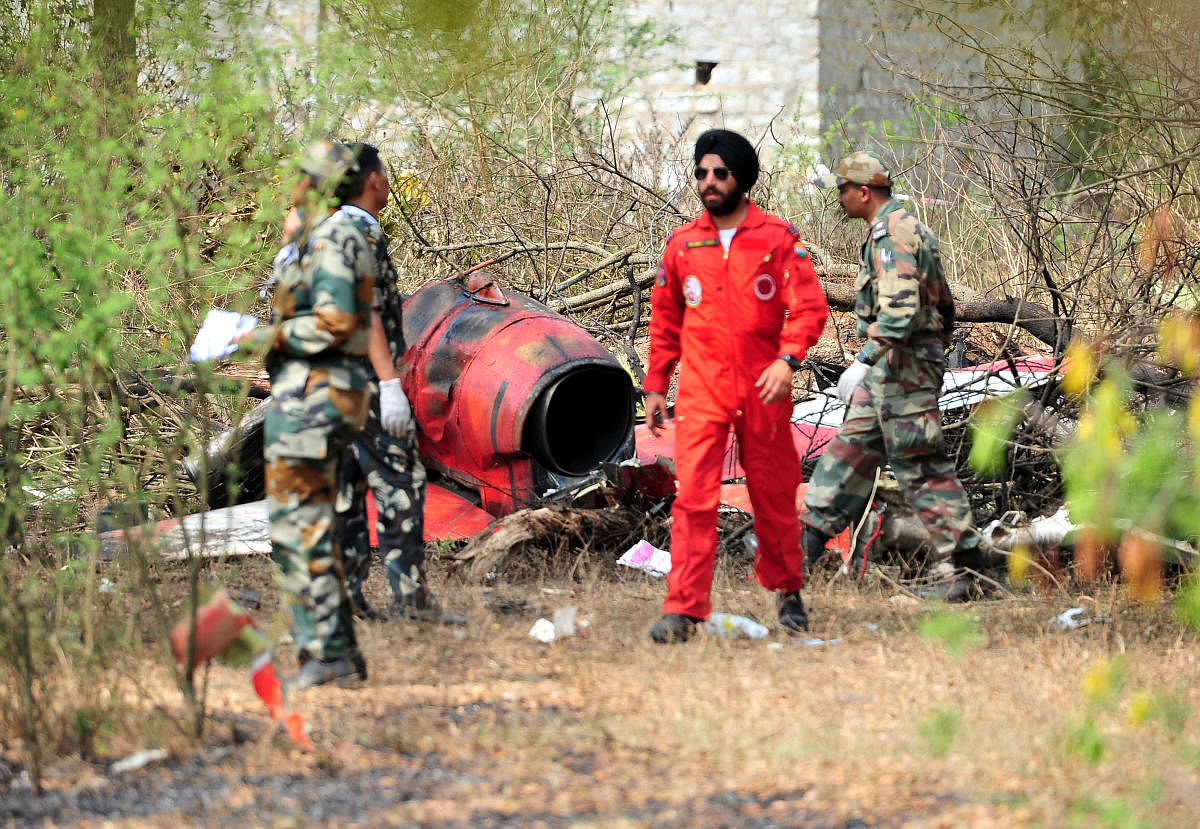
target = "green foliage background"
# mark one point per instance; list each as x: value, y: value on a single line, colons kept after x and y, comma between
x: 145, y: 164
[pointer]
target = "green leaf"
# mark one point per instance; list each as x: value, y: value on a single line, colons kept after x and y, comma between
x: 992, y: 426
x: 955, y: 631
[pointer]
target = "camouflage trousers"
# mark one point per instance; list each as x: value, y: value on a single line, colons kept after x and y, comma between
x: 893, y: 418
x: 309, y: 423
x: 392, y: 469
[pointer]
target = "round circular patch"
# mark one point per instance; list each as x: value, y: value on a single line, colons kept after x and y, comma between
x: 764, y: 286
x: 692, y: 294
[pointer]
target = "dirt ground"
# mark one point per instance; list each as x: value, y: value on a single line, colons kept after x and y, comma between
x: 905, y: 715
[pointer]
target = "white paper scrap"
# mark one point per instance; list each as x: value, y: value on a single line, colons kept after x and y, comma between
x: 730, y: 626
x: 645, y: 556
x: 543, y: 631
x: 215, y: 339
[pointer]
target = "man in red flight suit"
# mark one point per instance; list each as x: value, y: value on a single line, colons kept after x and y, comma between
x: 737, y: 304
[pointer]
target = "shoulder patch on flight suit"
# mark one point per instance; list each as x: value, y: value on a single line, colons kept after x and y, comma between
x: 879, y: 230
x: 692, y: 292
x: 660, y: 278
x: 702, y: 243
x: 801, y: 251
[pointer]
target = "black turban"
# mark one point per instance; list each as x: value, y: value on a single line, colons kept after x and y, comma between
x: 737, y: 153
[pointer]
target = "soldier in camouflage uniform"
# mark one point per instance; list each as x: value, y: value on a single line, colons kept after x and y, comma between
x: 906, y: 312
x: 386, y: 460
x: 323, y: 332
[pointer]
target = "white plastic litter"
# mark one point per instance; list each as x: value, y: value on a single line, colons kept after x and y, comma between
x: 729, y: 626
x: 216, y: 336
x: 564, y: 621
x: 1071, y: 619
x: 543, y: 631
x: 648, y: 558
x: 137, y: 760
x: 816, y: 642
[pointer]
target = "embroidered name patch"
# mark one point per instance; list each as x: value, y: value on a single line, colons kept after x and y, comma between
x: 702, y: 243
x: 764, y: 286
x: 692, y: 294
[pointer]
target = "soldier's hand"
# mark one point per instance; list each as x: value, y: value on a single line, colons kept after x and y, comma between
x: 291, y: 225
x: 775, y: 383
x: 395, y: 415
x: 656, y: 412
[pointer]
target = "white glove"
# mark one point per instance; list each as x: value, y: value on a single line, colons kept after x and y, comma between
x: 394, y: 412
x: 850, y: 380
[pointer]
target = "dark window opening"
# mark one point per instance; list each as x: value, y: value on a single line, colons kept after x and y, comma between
x: 704, y: 70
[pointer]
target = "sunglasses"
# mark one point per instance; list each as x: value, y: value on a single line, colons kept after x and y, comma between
x: 720, y: 173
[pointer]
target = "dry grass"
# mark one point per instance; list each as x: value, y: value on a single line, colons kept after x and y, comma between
x: 611, y: 729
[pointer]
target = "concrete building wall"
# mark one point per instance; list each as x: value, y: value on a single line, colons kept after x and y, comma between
x: 766, y: 76
x: 871, y: 50
x: 793, y: 69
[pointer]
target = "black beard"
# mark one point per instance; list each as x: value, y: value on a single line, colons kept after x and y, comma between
x: 727, y: 205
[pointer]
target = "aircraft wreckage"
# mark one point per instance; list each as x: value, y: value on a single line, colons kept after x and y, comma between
x: 517, y: 407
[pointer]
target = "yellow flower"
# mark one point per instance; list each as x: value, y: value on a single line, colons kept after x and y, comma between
x: 1193, y: 417
x: 1140, y: 707
x: 1085, y: 430
x: 1079, y: 368
x: 1018, y: 565
x: 1179, y: 342
x: 19, y: 114
x: 1102, y: 680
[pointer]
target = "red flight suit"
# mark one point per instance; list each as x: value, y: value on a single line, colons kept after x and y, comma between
x: 724, y: 317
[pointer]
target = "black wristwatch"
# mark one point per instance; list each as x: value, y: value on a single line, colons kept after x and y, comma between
x: 791, y: 360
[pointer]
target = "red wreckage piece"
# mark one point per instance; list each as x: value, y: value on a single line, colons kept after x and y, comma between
x: 512, y: 398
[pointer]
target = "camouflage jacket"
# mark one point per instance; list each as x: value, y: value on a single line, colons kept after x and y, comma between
x: 903, y: 299
x: 322, y: 304
x: 386, y: 299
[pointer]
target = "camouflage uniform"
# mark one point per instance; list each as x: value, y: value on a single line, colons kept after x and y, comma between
x: 906, y: 312
x: 320, y: 398
x: 392, y: 469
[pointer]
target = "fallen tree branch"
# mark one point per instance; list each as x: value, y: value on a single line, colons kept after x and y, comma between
x: 518, y: 245
x: 490, y: 550
x: 616, y: 258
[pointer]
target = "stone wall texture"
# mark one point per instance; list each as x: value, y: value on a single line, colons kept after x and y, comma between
x: 792, y: 69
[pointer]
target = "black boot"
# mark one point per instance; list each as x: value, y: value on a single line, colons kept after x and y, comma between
x: 959, y: 586
x: 792, y: 615
x: 423, y: 607
x: 812, y: 544
x: 345, y: 670
x: 673, y: 627
x: 962, y: 584
x: 364, y: 611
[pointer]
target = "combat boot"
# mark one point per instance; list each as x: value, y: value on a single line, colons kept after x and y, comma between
x: 365, y: 611
x: 961, y: 582
x: 345, y: 670
x: 673, y: 627
x: 792, y: 614
x: 959, y: 586
x: 421, y: 606
x: 812, y: 544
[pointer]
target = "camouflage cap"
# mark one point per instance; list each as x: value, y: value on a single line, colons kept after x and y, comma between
x: 325, y: 160
x: 860, y: 168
